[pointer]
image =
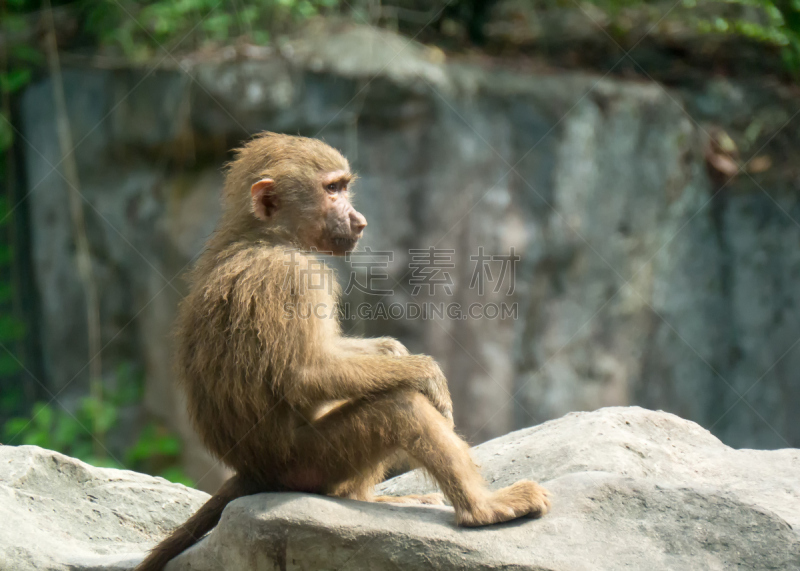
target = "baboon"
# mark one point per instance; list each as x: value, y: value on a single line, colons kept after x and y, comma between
x: 288, y: 402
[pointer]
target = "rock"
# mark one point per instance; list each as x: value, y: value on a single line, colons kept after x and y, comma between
x: 631, y: 489
x: 59, y: 514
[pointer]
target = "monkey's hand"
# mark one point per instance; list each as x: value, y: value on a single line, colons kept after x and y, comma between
x: 376, y: 346
x: 352, y: 373
x: 389, y: 346
x: 435, y: 388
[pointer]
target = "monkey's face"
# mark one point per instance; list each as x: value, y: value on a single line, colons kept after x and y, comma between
x: 317, y: 213
x: 342, y: 225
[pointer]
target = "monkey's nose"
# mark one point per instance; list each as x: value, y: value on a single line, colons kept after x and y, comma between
x: 357, y: 222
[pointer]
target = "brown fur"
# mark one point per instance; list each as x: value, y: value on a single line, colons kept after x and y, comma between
x: 288, y: 402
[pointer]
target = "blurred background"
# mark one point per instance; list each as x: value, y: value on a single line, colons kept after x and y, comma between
x: 641, y: 158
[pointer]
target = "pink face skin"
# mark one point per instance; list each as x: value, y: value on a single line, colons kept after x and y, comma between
x: 341, y: 225
x: 344, y: 225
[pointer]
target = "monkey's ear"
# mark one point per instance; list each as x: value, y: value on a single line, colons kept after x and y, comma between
x: 265, y: 203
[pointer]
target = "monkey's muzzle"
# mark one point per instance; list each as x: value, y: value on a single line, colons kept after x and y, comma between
x: 343, y: 244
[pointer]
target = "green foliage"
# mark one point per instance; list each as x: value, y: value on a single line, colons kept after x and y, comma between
x: 775, y: 23
x: 75, y: 433
x: 14, y: 75
x: 15, y: 79
x: 154, y: 28
x: 57, y: 429
x: 142, y: 30
x: 82, y: 432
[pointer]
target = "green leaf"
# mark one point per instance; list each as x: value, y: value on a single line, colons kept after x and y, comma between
x: 106, y: 418
x: 102, y: 415
x: 14, y: 23
x: 305, y: 9
x: 67, y: 432
x: 14, y: 80
x: 168, y: 446
x: 14, y: 429
x: 177, y: 475
x: 82, y: 449
x: 260, y: 37
x: 218, y: 25
x: 143, y: 448
x: 42, y: 414
x: 27, y: 53
x: 37, y: 438
x: 774, y: 14
x: 249, y: 14
x: 153, y: 441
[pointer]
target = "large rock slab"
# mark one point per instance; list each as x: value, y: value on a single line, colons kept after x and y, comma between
x: 632, y: 489
x: 59, y: 514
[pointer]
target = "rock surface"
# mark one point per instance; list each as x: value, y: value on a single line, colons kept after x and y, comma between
x: 59, y: 514
x: 631, y: 489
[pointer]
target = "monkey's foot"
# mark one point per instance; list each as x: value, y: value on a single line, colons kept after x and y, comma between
x: 524, y: 498
x: 427, y: 499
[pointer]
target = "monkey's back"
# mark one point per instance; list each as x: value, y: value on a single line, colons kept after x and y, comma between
x: 238, y: 353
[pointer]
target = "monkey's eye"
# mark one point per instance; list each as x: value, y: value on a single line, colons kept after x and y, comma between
x: 332, y: 187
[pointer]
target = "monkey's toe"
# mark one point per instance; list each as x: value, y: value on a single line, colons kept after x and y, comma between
x: 527, y: 499
x: 521, y: 499
x: 431, y: 499
x: 424, y: 499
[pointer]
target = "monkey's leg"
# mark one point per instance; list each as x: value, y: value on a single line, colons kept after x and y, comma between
x: 360, y: 486
x: 363, y: 488
x: 351, y: 441
x: 355, y: 376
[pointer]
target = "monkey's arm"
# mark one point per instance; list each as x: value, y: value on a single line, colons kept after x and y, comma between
x: 353, y: 376
x: 374, y: 346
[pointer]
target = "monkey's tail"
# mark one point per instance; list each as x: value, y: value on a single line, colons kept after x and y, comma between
x: 196, y: 526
